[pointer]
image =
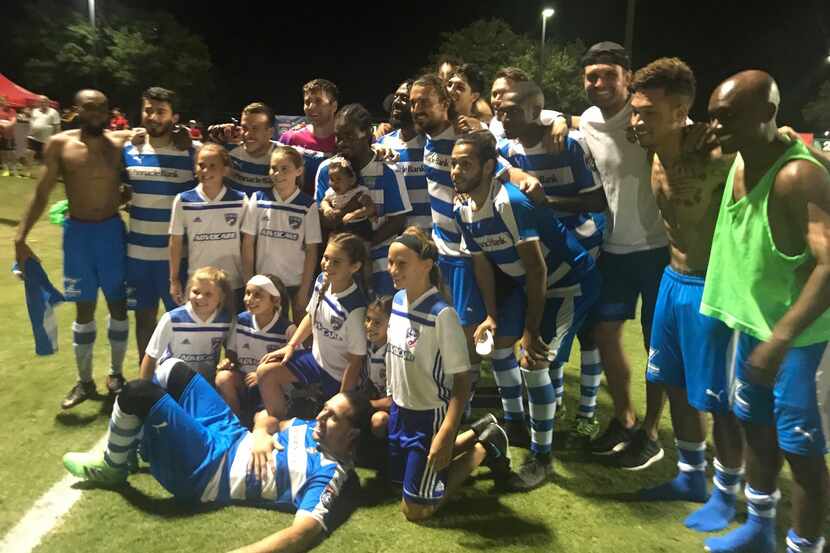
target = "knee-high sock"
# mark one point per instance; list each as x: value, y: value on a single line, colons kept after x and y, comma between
x: 123, y: 437
x: 591, y: 376
x: 542, y: 403
x: 509, y: 380
x: 796, y: 544
x: 117, y: 332
x: 557, y: 380
x: 83, y: 342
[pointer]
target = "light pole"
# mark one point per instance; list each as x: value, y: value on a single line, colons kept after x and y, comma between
x: 547, y: 12
x: 92, y: 13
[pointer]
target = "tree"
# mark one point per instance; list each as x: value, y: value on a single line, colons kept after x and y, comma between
x: 492, y: 44
x: 127, y: 52
x: 817, y: 112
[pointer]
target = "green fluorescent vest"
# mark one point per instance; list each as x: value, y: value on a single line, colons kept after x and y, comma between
x: 749, y: 283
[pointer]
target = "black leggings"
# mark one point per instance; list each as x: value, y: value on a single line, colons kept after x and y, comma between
x: 138, y: 396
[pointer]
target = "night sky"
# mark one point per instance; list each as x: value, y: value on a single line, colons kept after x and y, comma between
x: 267, y: 50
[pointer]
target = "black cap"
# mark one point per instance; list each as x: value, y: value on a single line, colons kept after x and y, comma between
x: 606, y: 52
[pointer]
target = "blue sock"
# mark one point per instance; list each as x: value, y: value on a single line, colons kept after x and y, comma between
x: 796, y: 544
x: 509, y: 380
x: 557, y: 380
x: 720, y: 509
x: 757, y: 535
x: 542, y: 403
x: 591, y: 376
x: 690, y: 482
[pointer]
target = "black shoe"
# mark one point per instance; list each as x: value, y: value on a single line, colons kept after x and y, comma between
x: 114, y: 383
x: 518, y: 433
x: 535, y: 471
x: 494, y: 439
x: 481, y: 424
x: 641, y: 453
x: 615, y: 439
x: 79, y: 393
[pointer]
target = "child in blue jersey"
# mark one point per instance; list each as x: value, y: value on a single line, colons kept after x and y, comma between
x: 261, y: 329
x: 334, y: 318
x: 281, y: 231
x: 209, y: 218
x: 195, y: 331
x: 375, y: 380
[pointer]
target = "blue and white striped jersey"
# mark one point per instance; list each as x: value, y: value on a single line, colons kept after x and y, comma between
x: 565, y: 175
x: 155, y: 176
x: 249, y: 174
x: 410, y: 164
x: 250, y: 343
x: 305, y: 480
x: 181, y: 334
x: 212, y: 230
x: 508, y: 218
x: 426, y: 348
x: 375, y: 379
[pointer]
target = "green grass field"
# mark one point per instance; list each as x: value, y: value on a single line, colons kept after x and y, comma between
x: 589, y: 507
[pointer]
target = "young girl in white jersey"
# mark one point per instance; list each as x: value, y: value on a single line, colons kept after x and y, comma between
x: 376, y: 382
x: 195, y: 331
x: 264, y: 327
x: 334, y: 317
x: 209, y: 219
x: 281, y: 233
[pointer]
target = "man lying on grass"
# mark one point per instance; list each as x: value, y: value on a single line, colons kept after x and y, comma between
x: 199, y: 452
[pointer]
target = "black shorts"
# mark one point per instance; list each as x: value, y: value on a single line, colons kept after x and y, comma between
x: 36, y: 146
x: 7, y: 144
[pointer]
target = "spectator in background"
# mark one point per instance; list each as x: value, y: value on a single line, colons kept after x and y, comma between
x: 118, y: 121
x: 22, y: 154
x: 195, y: 130
x: 319, y: 105
x: 8, y: 121
x: 43, y: 123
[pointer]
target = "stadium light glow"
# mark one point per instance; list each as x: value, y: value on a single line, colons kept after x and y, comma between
x: 547, y: 12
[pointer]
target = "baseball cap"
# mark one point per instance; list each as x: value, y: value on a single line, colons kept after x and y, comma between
x: 606, y: 52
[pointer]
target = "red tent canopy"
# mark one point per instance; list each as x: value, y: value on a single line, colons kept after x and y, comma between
x: 17, y: 96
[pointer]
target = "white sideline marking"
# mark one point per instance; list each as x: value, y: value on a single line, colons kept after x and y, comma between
x: 45, y: 514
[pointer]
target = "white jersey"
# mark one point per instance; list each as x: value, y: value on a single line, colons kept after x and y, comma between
x: 182, y: 334
x: 337, y: 326
x: 250, y: 342
x: 634, y: 222
x: 282, y: 229
x: 212, y: 230
x: 426, y: 348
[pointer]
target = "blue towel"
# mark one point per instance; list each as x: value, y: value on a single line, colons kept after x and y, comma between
x: 41, y: 297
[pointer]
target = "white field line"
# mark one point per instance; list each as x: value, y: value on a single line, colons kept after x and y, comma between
x: 45, y: 514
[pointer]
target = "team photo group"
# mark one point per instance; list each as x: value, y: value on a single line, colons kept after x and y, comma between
x: 334, y: 296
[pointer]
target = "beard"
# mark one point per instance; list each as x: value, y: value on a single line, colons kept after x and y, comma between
x: 159, y: 130
x: 404, y: 119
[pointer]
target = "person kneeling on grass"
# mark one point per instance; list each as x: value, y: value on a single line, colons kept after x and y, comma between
x: 199, y: 452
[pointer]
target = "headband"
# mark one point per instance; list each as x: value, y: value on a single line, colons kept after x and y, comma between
x: 412, y: 242
x: 266, y: 284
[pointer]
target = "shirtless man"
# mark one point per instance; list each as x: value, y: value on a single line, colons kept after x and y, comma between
x: 688, y: 351
x: 89, y: 162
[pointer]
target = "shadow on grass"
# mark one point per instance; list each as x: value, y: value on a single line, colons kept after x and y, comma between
x: 72, y: 419
x: 8, y: 222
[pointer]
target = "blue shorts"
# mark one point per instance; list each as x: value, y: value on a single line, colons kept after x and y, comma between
x: 625, y: 278
x: 185, y: 442
x: 792, y: 405
x: 410, y: 437
x: 94, y: 256
x: 149, y: 281
x: 460, y: 279
x: 689, y: 350
x: 303, y: 366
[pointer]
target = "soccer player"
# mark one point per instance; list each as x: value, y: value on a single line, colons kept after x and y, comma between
x: 353, y: 127
x: 89, y: 162
x: 769, y: 279
x: 200, y: 453
x: 545, y: 289
x: 634, y: 253
x: 465, y: 87
x: 577, y: 199
x: 408, y: 145
x: 319, y: 104
x: 689, y: 351
x: 155, y: 172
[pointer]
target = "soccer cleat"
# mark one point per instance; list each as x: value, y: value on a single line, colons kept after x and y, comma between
x: 114, y: 383
x: 481, y: 424
x: 93, y: 467
x: 561, y: 413
x: 615, y: 439
x: 79, y: 393
x: 494, y: 439
x: 536, y: 471
x: 586, y: 429
x: 641, y: 453
x: 518, y: 433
